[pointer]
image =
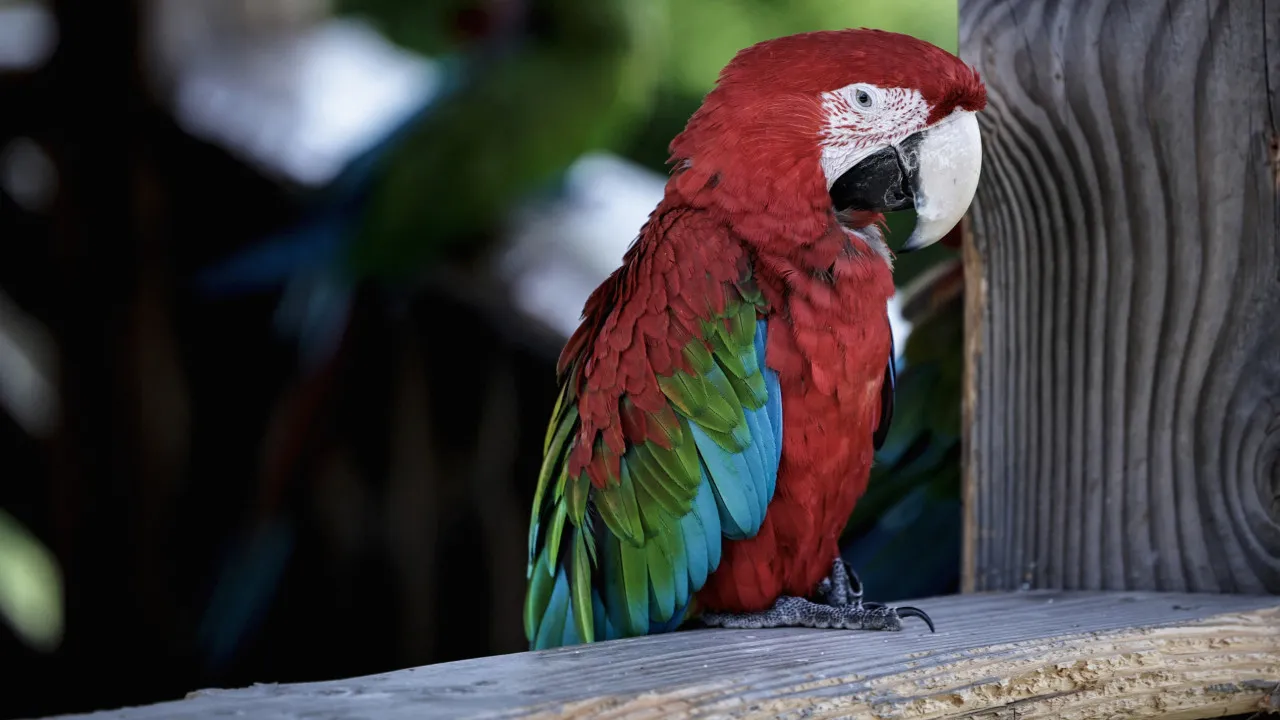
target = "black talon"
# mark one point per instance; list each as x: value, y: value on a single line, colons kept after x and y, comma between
x: 855, y: 582
x: 906, y: 612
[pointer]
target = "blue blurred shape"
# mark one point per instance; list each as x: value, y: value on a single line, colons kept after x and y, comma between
x: 243, y: 592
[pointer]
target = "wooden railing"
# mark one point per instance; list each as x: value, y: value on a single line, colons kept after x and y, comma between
x: 1037, y: 654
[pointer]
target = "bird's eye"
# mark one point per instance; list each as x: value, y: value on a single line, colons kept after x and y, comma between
x: 863, y: 99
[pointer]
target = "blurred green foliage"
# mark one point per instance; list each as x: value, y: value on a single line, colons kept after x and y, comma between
x: 578, y: 75
x: 706, y: 34
x: 535, y: 92
x: 30, y: 586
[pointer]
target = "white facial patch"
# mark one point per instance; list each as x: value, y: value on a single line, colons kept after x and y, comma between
x: 862, y: 119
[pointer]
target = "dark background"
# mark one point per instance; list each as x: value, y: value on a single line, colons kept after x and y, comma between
x: 195, y: 495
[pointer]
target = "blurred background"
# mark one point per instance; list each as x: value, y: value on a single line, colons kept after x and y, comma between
x: 282, y: 288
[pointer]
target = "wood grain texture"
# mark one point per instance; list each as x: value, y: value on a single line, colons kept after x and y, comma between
x: 1124, y: 363
x: 1000, y: 655
x: 975, y: 295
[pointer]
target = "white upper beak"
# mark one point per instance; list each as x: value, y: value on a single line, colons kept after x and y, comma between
x: 950, y: 161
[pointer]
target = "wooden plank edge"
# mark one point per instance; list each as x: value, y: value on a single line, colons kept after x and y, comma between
x: 1220, y: 667
x: 1190, y: 661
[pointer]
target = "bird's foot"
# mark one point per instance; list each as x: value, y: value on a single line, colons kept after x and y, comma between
x: 789, y: 611
x: 842, y: 587
x: 839, y: 605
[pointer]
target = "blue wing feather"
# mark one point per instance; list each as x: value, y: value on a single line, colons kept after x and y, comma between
x: 679, y: 556
x: 705, y: 504
x: 773, y: 405
x: 553, y: 622
x: 604, y: 627
x: 701, y: 529
x: 734, y: 487
x: 677, y: 619
x: 744, y: 482
x: 757, y: 458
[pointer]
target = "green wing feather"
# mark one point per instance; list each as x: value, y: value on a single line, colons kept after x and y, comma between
x: 631, y: 554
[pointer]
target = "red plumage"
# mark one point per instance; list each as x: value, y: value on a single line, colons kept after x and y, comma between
x: 830, y: 347
x: 748, y: 197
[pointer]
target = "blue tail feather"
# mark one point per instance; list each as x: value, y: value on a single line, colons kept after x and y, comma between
x: 554, y: 620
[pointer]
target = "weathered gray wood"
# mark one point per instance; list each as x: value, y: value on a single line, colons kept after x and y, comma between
x: 1124, y: 339
x: 1029, y: 655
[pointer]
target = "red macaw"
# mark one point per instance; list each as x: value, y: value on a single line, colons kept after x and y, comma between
x: 723, y: 398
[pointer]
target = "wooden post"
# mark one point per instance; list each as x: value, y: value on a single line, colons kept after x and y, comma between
x: 1123, y: 370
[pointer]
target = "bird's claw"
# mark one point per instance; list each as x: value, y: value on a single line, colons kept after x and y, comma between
x: 907, y: 611
x: 839, y: 605
x: 789, y: 611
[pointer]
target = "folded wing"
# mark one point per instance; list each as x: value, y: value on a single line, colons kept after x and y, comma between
x: 665, y: 441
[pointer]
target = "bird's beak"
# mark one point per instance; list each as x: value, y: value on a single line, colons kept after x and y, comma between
x: 935, y: 171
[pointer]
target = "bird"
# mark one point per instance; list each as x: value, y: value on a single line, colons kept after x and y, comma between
x: 722, y: 399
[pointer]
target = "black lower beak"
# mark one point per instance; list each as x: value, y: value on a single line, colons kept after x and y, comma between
x: 934, y: 172
x: 883, y: 182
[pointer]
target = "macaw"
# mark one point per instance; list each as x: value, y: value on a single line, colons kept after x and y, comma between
x: 724, y: 395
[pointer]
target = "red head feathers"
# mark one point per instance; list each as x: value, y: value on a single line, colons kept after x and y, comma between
x: 790, y: 116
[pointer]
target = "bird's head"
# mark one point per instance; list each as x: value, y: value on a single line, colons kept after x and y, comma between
x: 850, y: 122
